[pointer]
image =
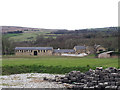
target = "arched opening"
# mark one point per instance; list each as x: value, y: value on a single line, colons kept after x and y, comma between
x: 35, y: 52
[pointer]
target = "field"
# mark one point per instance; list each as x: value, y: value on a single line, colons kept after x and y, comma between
x: 53, y: 64
x: 29, y: 36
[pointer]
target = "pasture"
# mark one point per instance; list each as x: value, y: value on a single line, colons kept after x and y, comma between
x: 53, y: 64
x: 29, y: 36
x: 60, y: 60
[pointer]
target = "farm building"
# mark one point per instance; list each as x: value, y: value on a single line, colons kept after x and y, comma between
x: 99, y: 48
x: 83, y: 49
x: 80, y: 49
x: 63, y: 51
x: 108, y: 54
x: 41, y: 51
x: 34, y: 50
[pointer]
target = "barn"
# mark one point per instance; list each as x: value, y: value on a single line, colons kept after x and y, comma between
x: 107, y: 54
x: 63, y: 51
x: 34, y: 51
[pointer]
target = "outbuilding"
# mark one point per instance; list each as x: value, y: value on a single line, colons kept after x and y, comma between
x: 106, y: 54
x: 63, y: 51
x: 40, y: 51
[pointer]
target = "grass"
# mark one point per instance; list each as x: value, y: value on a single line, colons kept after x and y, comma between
x: 11, y: 35
x: 58, y: 60
x: 24, y: 36
x: 53, y: 64
x: 28, y: 36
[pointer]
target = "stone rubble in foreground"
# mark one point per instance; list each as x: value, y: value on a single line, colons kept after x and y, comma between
x: 29, y: 80
x: 98, y: 79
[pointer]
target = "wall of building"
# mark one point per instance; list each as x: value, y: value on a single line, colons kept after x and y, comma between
x: 44, y: 52
x: 58, y: 54
x: 105, y: 55
x: 80, y: 51
x: 31, y: 52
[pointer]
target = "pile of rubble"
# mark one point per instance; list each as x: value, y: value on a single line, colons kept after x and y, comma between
x: 103, y: 79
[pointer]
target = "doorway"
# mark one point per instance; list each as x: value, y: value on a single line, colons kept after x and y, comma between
x: 35, y: 53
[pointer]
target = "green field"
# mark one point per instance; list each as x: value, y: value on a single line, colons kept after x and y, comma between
x: 58, y: 60
x: 29, y: 36
x: 24, y: 36
x: 53, y: 64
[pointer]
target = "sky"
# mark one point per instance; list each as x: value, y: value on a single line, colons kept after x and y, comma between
x: 59, y: 14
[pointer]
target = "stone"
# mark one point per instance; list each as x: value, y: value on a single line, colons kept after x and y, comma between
x: 65, y: 80
x: 99, y: 68
x: 99, y: 79
x: 106, y: 83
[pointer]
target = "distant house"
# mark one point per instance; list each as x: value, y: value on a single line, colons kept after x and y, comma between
x: 34, y: 50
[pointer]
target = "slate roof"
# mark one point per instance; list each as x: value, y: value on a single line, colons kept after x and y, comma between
x: 63, y: 50
x: 108, y: 52
x: 79, y: 47
x: 33, y: 48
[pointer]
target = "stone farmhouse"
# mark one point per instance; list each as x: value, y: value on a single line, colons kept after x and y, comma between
x: 43, y: 51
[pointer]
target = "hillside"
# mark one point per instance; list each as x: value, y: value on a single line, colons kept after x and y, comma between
x: 6, y: 29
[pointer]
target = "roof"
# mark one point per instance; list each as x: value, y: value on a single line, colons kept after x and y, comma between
x: 33, y: 48
x: 107, y: 52
x: 97, y: 46
x: 79, y: 47
x: 63, y: 50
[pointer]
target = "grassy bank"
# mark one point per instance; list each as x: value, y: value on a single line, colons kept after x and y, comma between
x: 53, y: 64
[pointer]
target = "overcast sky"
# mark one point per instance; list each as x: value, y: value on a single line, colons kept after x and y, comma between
x: 59, y: 14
